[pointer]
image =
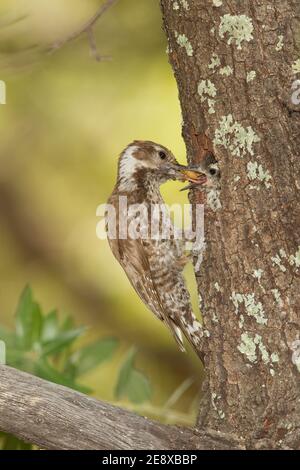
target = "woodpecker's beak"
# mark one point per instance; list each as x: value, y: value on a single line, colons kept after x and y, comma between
x: 173, y: 171
x: 184, y: 173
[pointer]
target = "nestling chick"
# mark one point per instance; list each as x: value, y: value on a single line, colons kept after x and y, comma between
x: 209, y: 174
x: 153, y: 265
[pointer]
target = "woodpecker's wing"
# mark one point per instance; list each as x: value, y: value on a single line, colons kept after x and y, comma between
x: 132, y: 255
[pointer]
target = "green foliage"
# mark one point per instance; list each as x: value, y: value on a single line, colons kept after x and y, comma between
x: 132, y: 383
x: 92, y: 355
x: 44, y: 346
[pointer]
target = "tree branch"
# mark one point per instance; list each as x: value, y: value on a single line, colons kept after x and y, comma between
x: 87, y: 28
x: 55, y: 417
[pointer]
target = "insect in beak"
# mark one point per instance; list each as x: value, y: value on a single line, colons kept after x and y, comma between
x: 195, y: 178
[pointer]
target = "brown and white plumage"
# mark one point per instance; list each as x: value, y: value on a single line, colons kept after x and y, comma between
x: 153, y: 266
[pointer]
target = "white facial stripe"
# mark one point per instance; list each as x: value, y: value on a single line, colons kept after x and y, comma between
x: 128, y: 163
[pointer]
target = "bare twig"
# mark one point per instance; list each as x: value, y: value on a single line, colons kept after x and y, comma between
x: 183, y: 387
x: 93, y: 47
x: 87, y: 28
x: 55, y: 417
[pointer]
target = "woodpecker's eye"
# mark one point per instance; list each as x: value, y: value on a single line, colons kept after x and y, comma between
x: 212, y: 171
x: 162, y: 155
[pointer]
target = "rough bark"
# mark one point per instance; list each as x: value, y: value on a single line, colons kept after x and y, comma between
x: 55, y: 417
x: 249, y: 280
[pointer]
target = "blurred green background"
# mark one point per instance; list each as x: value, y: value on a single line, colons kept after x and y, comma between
x: 66, y: 120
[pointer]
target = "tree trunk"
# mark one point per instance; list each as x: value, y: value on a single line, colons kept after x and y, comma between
x: 235, y: 63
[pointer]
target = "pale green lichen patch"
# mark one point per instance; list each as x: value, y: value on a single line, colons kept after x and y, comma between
x: 183, y: 41
x: 236, y: 299
x: 207, y: 91
x: 211, y: 106
x: 256, y: 171
x: 294, y: 260
x: 234, y: 137
x: 277, y: 297
x: 263, y: 350
x: 252, y: 307
x: 297, y: 363
x: 274, y: 357
x: 217, y: 287
x: 277, y: 261
x: 214, y: 62
x: 227, y: 70
x: 295, y: 347
x: 250, y: 76
x: 282, y: 253
x: 185, y: 4
x: 239, y: 28
x: 296, y: 66
x: 279, y: 45
x: 206, y: 87
x: 213, y: 200
x: 217, y: 3
x: 249, y: 346
x: 257, y: 273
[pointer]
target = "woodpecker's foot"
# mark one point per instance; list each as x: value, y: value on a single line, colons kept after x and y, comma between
x: 184, y: 260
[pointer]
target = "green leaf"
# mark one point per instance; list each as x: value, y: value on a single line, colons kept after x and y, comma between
x: 124, y: 374
x: 67, y: 324
x: 131, y: 382
x: 50, y: 327
x: 93, y: 354
x: 14, y: 356
x: 28, y: 320
x: 44, y: 370
x: 70, y: 370
x: 25, y: 445
x: 13, y: 443
x: 62, y: 341
x: 8, y: 337
x: 17, y: 358
x: 138, y: 388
